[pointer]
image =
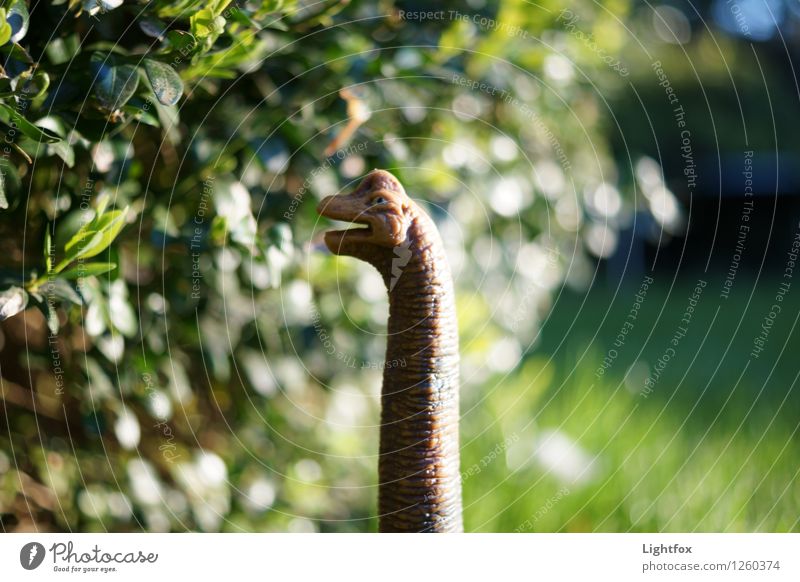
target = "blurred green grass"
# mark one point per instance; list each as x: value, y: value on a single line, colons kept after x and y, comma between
x: 552, y: 447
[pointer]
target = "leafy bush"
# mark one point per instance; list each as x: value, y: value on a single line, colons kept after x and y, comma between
x: 160, y: 167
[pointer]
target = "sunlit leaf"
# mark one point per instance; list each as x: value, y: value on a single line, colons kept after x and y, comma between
x: 153, y: 27
x: 167, y: 84
x: 47, y: 249
x: 206, y: 26
x: 34, y: 86
x: 58, y: 288
x: 12, y: 301
x: 114, y: 81
x: 10, y: 116
x: 18, y: 18
x: 5, y: 28
x: 3, y: 198
x: 95, y: 237
x: 120, y: 310
x: 87, y: 270
x: 100, y: 6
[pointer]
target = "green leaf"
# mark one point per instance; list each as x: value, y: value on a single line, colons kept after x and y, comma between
x: 182, y: 42
x: 64, y: 151
x: 12, y: 301
x: 168, y: 118
x: 153, y: 27
x: 167, y: 84
x: 62, y: 50
x: 9, y: 183
x: 87, y: 270
x: 34, y: 86
x: 95, y: 320
x: 100, y: 6
x: 58, y: 288
x: 206, y: 26
x: 18, y: 19
x: 48, y: 247
x: 16, y: 52
x: 11, y: 117
x: 120, y: 311
x: 95, y: 237
x: 242, y: 18
x: 85, y: 232
x: 114, y: 82
x: 143, y: 112
x: 102, y: 204
x: 50, y: 315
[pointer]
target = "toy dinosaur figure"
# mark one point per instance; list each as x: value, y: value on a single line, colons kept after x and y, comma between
x: 420, y: 483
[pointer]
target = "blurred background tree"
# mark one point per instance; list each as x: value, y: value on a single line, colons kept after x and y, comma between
x: 190, y: 359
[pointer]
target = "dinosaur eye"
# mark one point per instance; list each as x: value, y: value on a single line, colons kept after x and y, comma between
x: 378, y: 200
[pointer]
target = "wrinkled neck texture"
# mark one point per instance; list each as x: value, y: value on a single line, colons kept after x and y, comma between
x: 420, y: 484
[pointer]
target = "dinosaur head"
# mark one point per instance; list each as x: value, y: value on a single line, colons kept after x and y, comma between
x: 380, y: 204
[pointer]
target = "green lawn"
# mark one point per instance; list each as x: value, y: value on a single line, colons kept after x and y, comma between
x: 713, y: 447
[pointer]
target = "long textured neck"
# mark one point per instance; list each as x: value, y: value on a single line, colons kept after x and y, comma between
x: 420, y: 484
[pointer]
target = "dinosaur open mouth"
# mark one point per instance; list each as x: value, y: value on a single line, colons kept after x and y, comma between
x: 340, y: 208
x: 359, y: 229
x: 339, y: 241
x: 359, y: 233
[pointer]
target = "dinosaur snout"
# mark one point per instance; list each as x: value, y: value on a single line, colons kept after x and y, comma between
x: 336, y: 207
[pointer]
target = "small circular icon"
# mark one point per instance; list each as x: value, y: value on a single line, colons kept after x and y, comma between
x: 31, y: 555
